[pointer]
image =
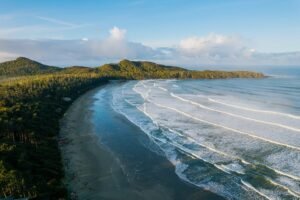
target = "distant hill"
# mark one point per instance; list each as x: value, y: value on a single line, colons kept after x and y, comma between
x: 140, y: 70
x: 125, y: 69
x: 137, y: 66
x: 25, y: 66
x: 144, y: 70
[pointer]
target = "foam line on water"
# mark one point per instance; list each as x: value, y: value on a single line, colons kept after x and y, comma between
x: 285, y: 174
x: 224, y: 170
x: 266, y: 140
x: 142, y: 82
x: 255, y: 110
x: 225, y: 154
x: 233, y: 157
x: 208, y: 147
x: 294, y: 193
x: 229, y: 169
x: 220, y: 152
x: 231, y: 129
x: 235, y: 115
x: 225, y: 127
x: 187, y: 151
x: 248, y: 185
x: 220, y: 167
x: 180, y: 147
x: 234, y: 130
x: 237, y: 158
x: 163, y: 89
x: 245, y: 108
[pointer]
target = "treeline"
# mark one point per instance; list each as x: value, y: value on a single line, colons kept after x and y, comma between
x: 30, y: 109
x: 147, y: 70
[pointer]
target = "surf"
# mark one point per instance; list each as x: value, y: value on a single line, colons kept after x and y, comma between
x: 255, y: 110
x: 234, y: 115
x: 158, y: 102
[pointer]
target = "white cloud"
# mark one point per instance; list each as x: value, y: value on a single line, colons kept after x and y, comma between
x: 210, y: 41
x: 117, y: 34
x: 213, y: 49
x: 71, y: 52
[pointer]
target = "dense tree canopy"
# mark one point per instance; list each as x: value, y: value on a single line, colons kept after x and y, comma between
x: 30, y: 109
x: 146, y: 70
x: 24, y: 66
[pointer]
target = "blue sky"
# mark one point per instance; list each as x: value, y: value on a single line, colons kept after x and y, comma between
x: 168, y: 27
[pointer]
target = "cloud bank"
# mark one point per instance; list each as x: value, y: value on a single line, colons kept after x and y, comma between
x: 213, y: 49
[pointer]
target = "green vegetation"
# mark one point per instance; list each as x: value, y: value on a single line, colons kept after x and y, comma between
x: 77, y: 70
x: 32, y: 100
x: 125, y: 69
x: 24, y: 66
x: 145, y: 70
x: 30, y: 109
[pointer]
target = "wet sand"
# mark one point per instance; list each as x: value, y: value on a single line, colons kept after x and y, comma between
x: 105, y: 156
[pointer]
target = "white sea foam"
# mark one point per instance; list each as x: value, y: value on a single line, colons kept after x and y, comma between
x: 295, y: 194
x: 235, y: 142
x: 235, y: 115
x: 263, y: 132
x: 276, y: 170
x: 255, y: 110
x: 228, y: 128
x: 248, y: 185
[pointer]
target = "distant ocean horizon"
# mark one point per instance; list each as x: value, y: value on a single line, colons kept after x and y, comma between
x: 239, y: 138
x: 279, y: 71
x: 267, y: 70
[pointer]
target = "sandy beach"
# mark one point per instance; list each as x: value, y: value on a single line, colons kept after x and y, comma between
x: 127, y: 170
x: 88, y: 166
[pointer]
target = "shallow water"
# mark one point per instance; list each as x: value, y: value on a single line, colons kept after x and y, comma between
x: 239, y: 138
x: 146, y: 172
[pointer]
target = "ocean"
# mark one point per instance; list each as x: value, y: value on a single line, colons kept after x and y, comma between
x: 238, y: 138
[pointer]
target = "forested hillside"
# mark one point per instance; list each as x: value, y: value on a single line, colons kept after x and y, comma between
x: 126, y: 69
x: 30, y: 109
x: 34, y: 96
x: 25, y: 66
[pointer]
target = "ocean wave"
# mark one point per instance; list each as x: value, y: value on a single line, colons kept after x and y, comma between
x: 205, y: 148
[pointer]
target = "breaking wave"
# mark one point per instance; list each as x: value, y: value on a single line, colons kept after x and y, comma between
x: 238, y: 138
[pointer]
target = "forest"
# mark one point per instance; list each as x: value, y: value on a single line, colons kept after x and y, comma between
x: 34, y: 97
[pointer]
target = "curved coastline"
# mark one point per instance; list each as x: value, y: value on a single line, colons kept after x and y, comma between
x: 96, y: 171
x: 34, y: 93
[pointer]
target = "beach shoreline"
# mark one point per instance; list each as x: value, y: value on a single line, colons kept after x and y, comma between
x: 79, y: 146
x: 94, y: 171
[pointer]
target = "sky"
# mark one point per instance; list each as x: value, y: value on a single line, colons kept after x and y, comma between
x: 193, y: 33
